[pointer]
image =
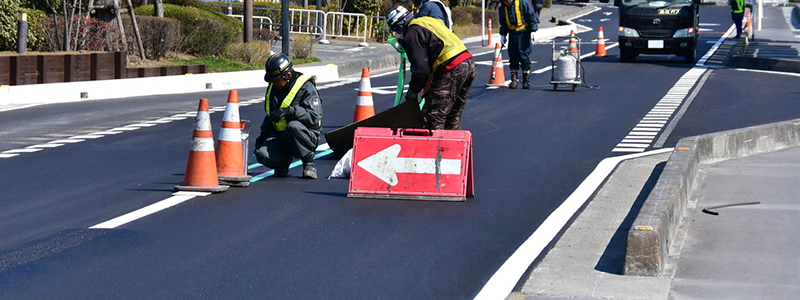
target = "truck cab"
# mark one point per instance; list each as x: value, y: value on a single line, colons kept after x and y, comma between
x: 658, y: 27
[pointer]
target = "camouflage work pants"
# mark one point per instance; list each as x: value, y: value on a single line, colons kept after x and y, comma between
x: 445, y: 101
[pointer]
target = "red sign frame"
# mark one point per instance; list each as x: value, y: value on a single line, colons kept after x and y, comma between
x: 411, y: 164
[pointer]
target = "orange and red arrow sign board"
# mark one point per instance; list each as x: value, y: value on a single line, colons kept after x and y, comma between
x: 412, y: 164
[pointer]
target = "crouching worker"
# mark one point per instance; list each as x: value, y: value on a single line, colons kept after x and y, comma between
x: 292, y: 126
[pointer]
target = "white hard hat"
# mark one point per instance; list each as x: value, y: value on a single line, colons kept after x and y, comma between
x: 398, y: 18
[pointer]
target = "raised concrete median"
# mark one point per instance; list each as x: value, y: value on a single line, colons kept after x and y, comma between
x: 654, y: 228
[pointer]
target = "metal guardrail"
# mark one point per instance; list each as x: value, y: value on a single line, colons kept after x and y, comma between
x: 257, y: 20
x: 348, y: 25
x: 319, y: 23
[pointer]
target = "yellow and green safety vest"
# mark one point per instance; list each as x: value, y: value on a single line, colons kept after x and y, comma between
x: 739, y: 7
x: 452, y: 44
x: 281, y: 124
x: 520, y: 23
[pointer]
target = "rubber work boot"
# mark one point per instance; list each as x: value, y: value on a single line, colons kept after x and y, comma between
x: 309, y: 170
x: 526, y: 81
x: 514, y: 81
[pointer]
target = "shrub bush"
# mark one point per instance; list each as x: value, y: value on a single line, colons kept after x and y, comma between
x: 254, y: 53
x: 303, y: 46
x: 469, y: 15
x: 88, y: 35
x: 191, y: 3
x: 204, y: 32
x: 160, y: 36
x: 264, y: 34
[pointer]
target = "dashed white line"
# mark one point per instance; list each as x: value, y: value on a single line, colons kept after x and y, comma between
x: 22, y: 150
x: 70, y: 141
x: 46, y: 146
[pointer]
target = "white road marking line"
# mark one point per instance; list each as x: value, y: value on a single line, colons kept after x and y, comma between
x: 70, y: 141
x: 632, y: 145
x: 125, y: 128
x: 176, y: 199
x: 21, y: 150
x: 45, y: 146
x: 142, y: 125
x: 87, y: 136
x: 108, y: 132
x: 7, y: 155
x: 503, y: 281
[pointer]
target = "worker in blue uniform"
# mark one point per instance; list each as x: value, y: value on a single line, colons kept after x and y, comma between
x: 517, y: 21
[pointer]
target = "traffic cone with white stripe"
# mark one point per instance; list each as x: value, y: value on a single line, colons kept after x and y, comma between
x: 498, y: 77
x: 364, y: 105
x: 201, y: 170
x: 601, y: 44
x: 230, y: 159
x: 573, y: 42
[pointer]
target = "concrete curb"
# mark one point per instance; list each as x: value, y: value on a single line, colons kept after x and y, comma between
x: 163, y: 85
x: 654, y: 228
x: 385, y: 62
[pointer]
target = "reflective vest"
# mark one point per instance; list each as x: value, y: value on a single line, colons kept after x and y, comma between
x: 447, y: 13
x: 520, y: 23
x: 281, y: 124
x: 738, y: 6
x: 452, y: 44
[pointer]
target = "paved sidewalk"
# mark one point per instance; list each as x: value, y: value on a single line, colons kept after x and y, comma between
x: 776, y: 46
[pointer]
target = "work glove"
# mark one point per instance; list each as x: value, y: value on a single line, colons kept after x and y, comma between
x: 412, y: 96
x: 503, y: 40
x: 276, y: 115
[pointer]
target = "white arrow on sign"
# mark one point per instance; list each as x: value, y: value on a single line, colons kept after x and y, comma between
x: 385, y: 165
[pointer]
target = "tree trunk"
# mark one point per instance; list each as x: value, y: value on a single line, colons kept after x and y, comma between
x: 136, y: 30
x: 120, y: 24
x: 158, y: 9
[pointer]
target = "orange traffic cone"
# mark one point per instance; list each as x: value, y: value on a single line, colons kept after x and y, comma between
x: 749, y: 24
x: 364, y: 106
x: 498, y: 77
x: 201, y: 171
x: 573, y: 42
x: 230, y: 158
x: 601, y: 44
x: 489, y: 44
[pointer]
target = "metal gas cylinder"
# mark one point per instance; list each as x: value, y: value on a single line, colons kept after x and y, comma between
x: 566, y: 68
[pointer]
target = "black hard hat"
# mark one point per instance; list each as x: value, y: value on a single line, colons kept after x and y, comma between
x: 276, y: 66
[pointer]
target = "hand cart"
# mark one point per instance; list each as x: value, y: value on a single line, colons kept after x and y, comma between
x: 566, y: 64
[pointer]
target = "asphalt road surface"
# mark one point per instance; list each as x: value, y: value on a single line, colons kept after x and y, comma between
x: 288, y: 238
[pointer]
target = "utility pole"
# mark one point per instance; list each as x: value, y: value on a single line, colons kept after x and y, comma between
x: 285, y: 27
x: 248, y: 21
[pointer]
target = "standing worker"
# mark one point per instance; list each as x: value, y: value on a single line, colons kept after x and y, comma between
x: 435, y: 9
x: 737, y: 14
x: 434, y: 51
x: 518, y: 20
x: 292, y: 126
x: 537, y: 8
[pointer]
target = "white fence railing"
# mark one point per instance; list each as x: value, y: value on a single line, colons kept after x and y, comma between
x: 316, y: 22
x: 257, y: 20
x: 349, y: 25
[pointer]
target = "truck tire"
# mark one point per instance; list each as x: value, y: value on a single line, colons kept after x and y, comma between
x: 627, y: 55
x: 691, y: 56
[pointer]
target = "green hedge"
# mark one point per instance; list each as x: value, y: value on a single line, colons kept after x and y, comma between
x: 204, y: 32
x: 9, y: 16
